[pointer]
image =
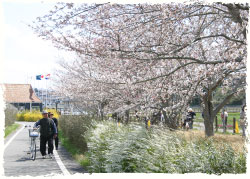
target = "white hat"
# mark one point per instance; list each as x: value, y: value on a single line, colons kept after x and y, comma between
x: 45, y: 112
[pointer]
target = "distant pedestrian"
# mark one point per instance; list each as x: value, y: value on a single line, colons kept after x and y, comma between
x: 190, y: 116
x: 118, y: 121
x: 51, y: 116
x: 222, y: 116
x: 242, y: 120
x: 137, y: 115
x: 225, y: 117
x: 147, y: 122
x: 47, y: 132
x: 162, y: 117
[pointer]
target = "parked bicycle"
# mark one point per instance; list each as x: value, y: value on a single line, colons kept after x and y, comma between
x: 33, y: 134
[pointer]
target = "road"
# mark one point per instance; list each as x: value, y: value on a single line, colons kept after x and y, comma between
x: 17, y: 161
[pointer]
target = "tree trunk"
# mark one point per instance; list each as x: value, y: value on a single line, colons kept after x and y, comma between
x: 209, y: 128
x: 208, y: 116
x: 170, y: 120
x: 101, y: 111
x: 127, y: 116
x: 127, y: 113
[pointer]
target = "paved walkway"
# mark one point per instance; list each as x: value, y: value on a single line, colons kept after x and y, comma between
x: 18, y: 163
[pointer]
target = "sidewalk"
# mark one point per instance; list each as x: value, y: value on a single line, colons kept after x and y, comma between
x: 17, y: 161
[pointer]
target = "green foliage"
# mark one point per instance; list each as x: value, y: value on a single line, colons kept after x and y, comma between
x: 85, y: 162
x: 73, y: 150
x: 9, y: 129
x: 199, y: 118
x: 10, y: 114
x: 219, y: 96
x: 132, y: 148
x: 74, y: 129
x: 66, y: 143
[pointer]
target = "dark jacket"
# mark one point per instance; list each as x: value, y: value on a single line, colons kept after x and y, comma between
x: 191, y: 115
x: 47, y: 127
x: 55, y: 121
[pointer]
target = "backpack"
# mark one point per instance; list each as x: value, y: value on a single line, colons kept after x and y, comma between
x: 46, y: 127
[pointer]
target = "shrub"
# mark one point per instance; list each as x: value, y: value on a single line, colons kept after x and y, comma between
x: 33, y: 116
x: 28, y: 116
x: 10, y: 114
x: 132, y: 148
x: 74, y: 129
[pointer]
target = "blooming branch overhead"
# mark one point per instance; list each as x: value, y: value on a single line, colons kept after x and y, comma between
x: 146, y: 54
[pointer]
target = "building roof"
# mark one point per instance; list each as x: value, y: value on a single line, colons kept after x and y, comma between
x: 19, y: 93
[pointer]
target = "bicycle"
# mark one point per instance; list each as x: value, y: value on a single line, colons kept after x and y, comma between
x: 33, y: 134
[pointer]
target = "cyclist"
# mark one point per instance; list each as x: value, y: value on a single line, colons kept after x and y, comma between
x: 47, y: 132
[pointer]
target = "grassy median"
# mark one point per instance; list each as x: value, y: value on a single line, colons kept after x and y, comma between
x: 9, y: 129
x: 73, y: 150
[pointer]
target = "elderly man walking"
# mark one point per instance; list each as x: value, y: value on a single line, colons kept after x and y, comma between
x: 48, y: 131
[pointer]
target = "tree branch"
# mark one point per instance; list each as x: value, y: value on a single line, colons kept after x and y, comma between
x: 220, y: 35
x: 223, y: 103
x: 161, y: 76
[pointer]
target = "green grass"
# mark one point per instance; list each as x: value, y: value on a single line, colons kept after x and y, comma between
x: 9, y: 129
x: 227, y: 133
x: 74, y: 151
x: 65, y: 142
x: 199, y: 118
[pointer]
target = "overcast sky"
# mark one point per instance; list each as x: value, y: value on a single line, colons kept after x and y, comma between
x: 25, y: 54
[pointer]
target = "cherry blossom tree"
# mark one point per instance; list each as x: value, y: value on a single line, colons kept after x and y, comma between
x: 155, y: 53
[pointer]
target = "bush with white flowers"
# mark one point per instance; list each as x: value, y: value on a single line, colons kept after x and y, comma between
x: 132, y: 148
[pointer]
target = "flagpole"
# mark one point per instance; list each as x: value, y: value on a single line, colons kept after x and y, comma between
x: 46, y: 95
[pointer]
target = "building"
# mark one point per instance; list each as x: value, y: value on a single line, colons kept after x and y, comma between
x: 21, y: 96
x: 52, y: 100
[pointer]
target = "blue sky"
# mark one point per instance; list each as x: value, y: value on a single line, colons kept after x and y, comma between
x: 25, y: 54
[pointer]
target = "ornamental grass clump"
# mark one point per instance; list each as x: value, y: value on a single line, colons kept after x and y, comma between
x: 132, y: 148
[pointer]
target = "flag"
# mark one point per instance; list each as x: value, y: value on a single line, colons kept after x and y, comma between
x: 47, y: 76
x: 38, y: 77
